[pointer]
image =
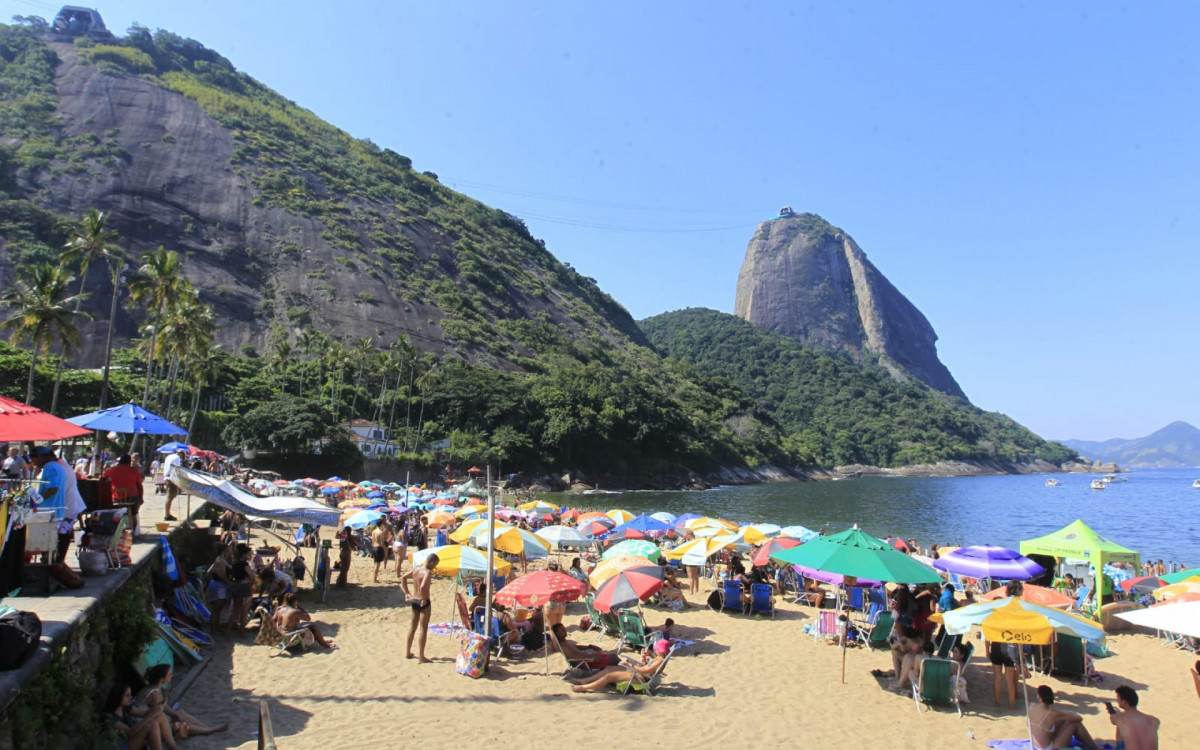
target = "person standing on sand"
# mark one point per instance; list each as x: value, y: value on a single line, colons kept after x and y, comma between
x: 1135, y: 730
x: 345, y: 552
x: 419, y: 601
x: 379, y: 546
x: 399, y: 548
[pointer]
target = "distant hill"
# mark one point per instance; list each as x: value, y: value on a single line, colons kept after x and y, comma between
x: 834, y: 410
x: 1175, y: 446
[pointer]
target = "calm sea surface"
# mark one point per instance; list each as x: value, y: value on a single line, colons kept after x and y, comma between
x: 1155, y: 512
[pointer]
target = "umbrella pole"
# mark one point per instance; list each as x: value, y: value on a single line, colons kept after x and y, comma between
x: 1025, y: 694
x: 491, y: 547
x: 844, y: 635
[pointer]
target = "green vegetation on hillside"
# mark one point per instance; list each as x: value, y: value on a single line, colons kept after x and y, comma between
x: 835, y: 411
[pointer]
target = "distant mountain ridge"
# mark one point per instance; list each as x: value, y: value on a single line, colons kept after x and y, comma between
x: 1175, y: 446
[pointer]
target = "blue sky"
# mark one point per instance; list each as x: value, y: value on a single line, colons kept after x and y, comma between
x: 1025, y: 173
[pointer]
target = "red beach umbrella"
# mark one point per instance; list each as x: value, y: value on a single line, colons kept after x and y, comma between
x: 1144, y: 584
x: 474, y: 470
x: 594, y: 527
x: 19, y: 422
x: 622, y: 535
x: 773, y: 546
x: 538, y: 588
x: 898, y: 543
x: 572, y: 513
x: 629, y: 587
x: 597, y: 515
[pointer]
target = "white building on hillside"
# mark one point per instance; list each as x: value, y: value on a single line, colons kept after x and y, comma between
x: 371, y: 438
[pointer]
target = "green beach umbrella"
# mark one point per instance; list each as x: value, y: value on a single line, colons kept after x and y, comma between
x: 856, y: 553
x: 1182, y: 575
x: 639, y: 547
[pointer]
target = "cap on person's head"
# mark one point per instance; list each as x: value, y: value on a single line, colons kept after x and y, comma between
x: 41, y: 450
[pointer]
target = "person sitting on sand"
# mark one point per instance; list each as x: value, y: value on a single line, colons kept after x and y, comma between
x: 814, y: 593
x: 576, y: 572
x: 589, y: 657
x: 909, y: 643
x: 1135, y: 730
x: 291, y: 617
x: 183, y: 724
x: 618, y: 674
x: 910, y: 665
x: 1053, y: 728
x: 671, y: 591
x: 139, y: 732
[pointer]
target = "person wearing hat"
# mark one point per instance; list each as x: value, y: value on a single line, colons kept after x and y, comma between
x: 169, y: 465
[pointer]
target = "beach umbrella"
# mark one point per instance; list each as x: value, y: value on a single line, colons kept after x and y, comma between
x: 570, y: 514
x: 438, y: 519
x: 463, y: 533
x: 1181, y: 618
x: 620, y: 516
x: 541, y: 587
x: 20, y: 422
x: 610, y: 567
x: 595, y: 527
x: 595, y: 514
x: 445, y: 501
x: 563, y: 536
x: 697, y: 551
x: 1036, y: 594
x: 1143, y: 584
x: 375, y: 494
x: 470, y: 510
x: 128, y: 419
x: 645, y: 524
x: 1181, y: 575
x: 505, y: 514
x: 708, y: 522
x: 803, y: 533
x: 665, y: 517
x: 619, y: 535
x: 540, y: 506
x: 1011, y: 620
x: 628, y: 588
x: 779, y: 544
x: 171, y: 447
x: 640, y: 547
x: 856, y: 553
x: 331, y: 490
x: 1188, y: 585
x: 834, y: 578
x: 474, y: 470
x: 1189, y: 596
x: 458, y: 560
x: 898, y: 543
x: 513, y: 541
x: 362, y: 519
x: 760, y: 532
x: 987, y: 561
x: 682, y: 520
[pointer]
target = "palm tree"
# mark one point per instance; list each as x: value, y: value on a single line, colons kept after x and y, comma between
x: 158, y: 283
x: 43, y: 309
x: 92, y: 241
x: 204, y: 368
x: 309, y: 342
x: 363, y: 350
x: 423, y: 383
x: 283, y: 358
x: 189, y: 326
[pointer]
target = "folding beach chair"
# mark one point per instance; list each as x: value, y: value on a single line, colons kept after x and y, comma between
x: 633, y: 631
x: 280, y: 642
x: 1081, y: 599
x: 946, y: 645
x: 643, y: 684
x: 1069, y: 656
x: 731, y: 597
x: 881, y: 631
x: 576, y: 668
x: 760, y: 601
x: 937, y: 680
x: 856, y: 599
x: 827, y: 625
x: 867, y: 623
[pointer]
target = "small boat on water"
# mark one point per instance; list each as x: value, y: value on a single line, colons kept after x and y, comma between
x: 1098, y: 484
x: 1052, y: 482
x: 1110, y: 478
x: 1196, y: 484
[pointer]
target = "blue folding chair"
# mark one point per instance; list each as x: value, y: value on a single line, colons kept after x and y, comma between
x: 732, y: 596
x: 760, y: 601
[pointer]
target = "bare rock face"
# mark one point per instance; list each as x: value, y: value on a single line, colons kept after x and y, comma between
x: 810, y: 281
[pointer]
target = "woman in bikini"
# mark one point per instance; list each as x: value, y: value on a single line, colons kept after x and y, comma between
x: 139, y: 732
x: 183, y: 724
x: 614, y: 675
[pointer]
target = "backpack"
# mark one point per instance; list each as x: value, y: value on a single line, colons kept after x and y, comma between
x: 714, y: 600
x: 20, y: 633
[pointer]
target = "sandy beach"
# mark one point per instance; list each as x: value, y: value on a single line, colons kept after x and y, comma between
x: 746, y: 680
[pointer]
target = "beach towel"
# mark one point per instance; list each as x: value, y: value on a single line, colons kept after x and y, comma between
x: 1024, y: 744
x: 445, y: 628
x: 472, y: 654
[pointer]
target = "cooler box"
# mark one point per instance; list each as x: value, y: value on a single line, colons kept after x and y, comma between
x: 41, y: 533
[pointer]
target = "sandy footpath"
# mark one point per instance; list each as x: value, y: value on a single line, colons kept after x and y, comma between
x: 746, y: 681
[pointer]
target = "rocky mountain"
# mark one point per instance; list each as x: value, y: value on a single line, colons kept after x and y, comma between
x: 1175, y: 446
x: 284, y: 222
x: 811, y: 282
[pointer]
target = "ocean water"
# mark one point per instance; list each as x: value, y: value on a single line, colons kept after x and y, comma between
x: 1155, y: 512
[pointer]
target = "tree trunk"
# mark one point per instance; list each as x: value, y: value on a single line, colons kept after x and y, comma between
x: 37, y: 342
x: 62, y: 352
x: 195, y: 408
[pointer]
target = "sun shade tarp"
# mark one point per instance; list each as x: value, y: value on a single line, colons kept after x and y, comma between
x: 234, y: 497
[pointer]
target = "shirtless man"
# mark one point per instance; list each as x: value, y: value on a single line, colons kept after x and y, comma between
x: 1053, y: 728
x: 292, y: 617
x: 379, y: 545
x: 1136, y: 730
x: 418, y: 599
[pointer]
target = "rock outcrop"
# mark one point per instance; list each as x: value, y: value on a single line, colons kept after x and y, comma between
x: 810, y: 281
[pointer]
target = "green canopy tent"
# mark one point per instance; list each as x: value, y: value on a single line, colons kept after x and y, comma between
x: 856, y: 554
x: 1080, y: 541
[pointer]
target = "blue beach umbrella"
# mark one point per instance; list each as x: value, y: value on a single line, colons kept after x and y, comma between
x: 172, y: 446
x: 374, y: 494
x: 363, y: 518
x: 803, y: 533
x: 665, y: 517
x: 681, y: 521
x: 128, y: 419
x: 645, y: 524
x: 331, y: 491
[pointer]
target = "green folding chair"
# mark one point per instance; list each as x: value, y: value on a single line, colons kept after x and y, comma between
x: 937, y: 683
x: 881, y: 631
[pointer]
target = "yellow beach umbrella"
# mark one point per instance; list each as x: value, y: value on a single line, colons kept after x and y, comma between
x: 513, y: 541
x: 620, y: 516
x: 698, y: 550
x: 470, y: 510
x: 613, y: 565
x: 455, y: 559
x: 463, y: 533
x: 705, y: 522
x: 1186, y: 586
